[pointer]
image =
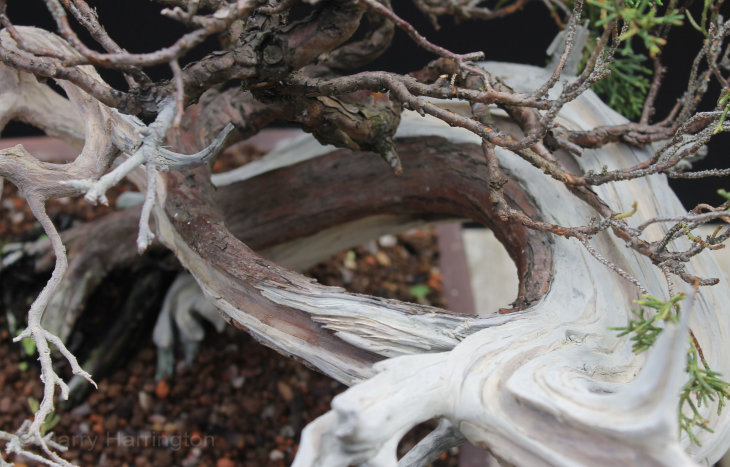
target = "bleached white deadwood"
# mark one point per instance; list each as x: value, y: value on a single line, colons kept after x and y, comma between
x: 182, y: 308
x: 549, y: 385
x: 548, y: 381
x: 546, y: 385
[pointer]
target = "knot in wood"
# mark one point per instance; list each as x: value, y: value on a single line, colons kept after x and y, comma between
x: 273, y: 54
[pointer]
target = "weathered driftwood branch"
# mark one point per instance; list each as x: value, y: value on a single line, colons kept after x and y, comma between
x: 549, y: 384
x: 543, y: 383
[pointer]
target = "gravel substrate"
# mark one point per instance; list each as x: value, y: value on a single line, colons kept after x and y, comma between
x: 239, y: 404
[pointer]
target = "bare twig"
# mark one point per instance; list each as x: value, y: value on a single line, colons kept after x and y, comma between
x: 218, y: 22
x: 417, y: 37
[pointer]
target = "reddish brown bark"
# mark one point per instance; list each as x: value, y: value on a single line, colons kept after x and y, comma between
x: 440, y: 180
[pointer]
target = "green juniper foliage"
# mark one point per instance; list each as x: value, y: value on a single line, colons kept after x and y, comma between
x: 724, y: 194
x: 702, y: 26
x: 624, y: 90
x: 701, y: 388
x: 643, y: 19
x: 645, y: 328
x: 626, y: 87
x: 703, y: 384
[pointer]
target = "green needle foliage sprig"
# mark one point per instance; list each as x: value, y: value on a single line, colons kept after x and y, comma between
x: 645, y: 328
x: 703, y: 385
x: 702, y: 26
x: 626, y: 86
x: 643, y: 18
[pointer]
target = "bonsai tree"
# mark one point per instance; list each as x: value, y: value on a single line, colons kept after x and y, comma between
x: 613, y: 349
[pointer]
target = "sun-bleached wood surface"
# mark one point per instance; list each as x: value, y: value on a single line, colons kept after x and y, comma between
x: 548, y: 384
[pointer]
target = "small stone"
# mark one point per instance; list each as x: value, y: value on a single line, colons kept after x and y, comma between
x: 371, y: 247
x: 129, y: 199
x: 225, y: 462
x: 5, y: 404
x: 234, y: 376
x: 276, y: 455
x: 172, y: 427
x: 114, y: 391
x: 81, y: 411
x: 251, y: 405
x: 238, y: 381
x: 17, y: 217
x: 268, y: 412
x: 162, y: 390
x: 346, y: 275
x: 157, y: 418
x: 192, y: 460
x: 383, y: 259
x: 148, y: 387
x: 145, y: 401
x: 111, y: 423
x: 162, y: 457
x: 287, y: 431
x: 228, y: 409
x: 388, y: 241
x: 285, y: 390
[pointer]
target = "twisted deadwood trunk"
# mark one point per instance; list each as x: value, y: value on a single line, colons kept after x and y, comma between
x: 549, y: 384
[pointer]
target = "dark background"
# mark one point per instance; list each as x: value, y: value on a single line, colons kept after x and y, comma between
x: 522, y: 37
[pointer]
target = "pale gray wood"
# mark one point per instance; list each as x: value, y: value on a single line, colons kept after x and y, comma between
x: 551, y: 385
